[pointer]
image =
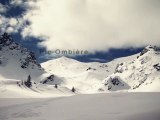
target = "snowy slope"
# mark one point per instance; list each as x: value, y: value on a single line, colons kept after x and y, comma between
x: 10, y: 88
x: 85, y: 77
x: 16, y: 64
x: 140, y: 74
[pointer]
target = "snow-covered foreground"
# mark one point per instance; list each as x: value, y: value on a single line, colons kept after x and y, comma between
x: 111, y: 106
x: 10, y: 89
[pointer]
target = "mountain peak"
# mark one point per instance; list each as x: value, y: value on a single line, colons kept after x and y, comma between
x: 149, y: 48
x: 15, y: 56
x: 65, y: 59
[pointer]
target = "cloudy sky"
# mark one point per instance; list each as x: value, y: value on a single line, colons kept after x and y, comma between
x: 111, y: 28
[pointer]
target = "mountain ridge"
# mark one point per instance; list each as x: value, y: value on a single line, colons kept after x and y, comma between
x: 135, y: 73
x: 140, y: 74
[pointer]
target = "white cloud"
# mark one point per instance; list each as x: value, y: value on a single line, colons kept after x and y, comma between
x: 13, y: 22
x: 16, y: 2
x: 10, y: 30
x: 3, y: 23
x: 11, y: 25
x: 3, y: 8
x: 23, y: 3
x: 94, y: 25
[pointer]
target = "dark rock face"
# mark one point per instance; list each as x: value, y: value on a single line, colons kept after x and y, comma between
x: 115, y: 81
x: 90, y: 69
x: 117, y: 70
x: 157, y: 67
x: 48, y: 79
x: 112, y: 82
x: 144, y: 51
x: 27, y: 57
x: 5, y: 39
x: 148, y: 48
x: 156, y: 48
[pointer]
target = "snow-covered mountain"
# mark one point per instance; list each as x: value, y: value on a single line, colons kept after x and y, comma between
x: 85, y: 77
x: 140, y: 74
x: 16, y: 64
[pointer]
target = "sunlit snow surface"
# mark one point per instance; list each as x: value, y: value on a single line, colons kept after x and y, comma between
x: 111, y: 106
